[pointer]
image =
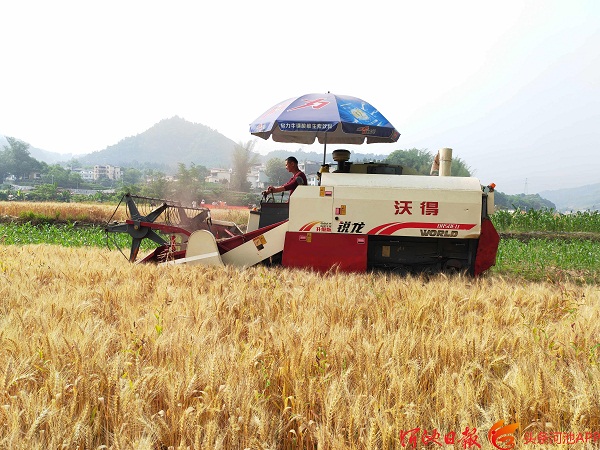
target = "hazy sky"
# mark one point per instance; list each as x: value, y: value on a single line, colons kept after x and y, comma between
x: 513, y: 87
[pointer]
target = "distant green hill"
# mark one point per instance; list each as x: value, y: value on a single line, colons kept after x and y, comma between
x: 169, y: 142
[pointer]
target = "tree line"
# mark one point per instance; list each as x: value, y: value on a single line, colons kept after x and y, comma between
x: 188, y: 184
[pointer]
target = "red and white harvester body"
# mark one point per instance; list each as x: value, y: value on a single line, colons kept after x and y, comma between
x: 362, y: 217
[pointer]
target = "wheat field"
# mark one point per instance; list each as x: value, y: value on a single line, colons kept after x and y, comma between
x: 98, y: 213
x: 97, y: 353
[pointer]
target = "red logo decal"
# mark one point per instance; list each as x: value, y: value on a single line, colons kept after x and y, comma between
x: 501, y: 436
x: 366, y: 130
x: 317, y: 103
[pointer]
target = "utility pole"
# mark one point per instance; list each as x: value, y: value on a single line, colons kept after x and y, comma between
x: 525, y: 192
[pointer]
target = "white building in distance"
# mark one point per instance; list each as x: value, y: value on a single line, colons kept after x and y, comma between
x: 219, y: 176
x: 85, y: 174
x: 108, y: 171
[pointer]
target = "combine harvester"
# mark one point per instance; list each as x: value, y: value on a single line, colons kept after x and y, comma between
x: 361, y: 217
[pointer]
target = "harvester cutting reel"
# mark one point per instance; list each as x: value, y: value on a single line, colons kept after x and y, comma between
x: 169, y: 225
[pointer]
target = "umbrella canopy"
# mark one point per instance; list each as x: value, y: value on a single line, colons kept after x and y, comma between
x: 330, y: 118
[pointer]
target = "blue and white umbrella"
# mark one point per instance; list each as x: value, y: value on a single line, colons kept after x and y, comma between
x: 330, y: 118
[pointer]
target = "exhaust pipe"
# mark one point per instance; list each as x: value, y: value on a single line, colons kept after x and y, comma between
x: 445, y: 162
x: 442, y: 163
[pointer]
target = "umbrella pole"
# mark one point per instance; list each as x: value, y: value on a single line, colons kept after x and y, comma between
x: 324, y: 158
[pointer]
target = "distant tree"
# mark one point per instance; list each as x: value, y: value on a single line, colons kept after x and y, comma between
x: 523, y: 202
x: 418, y: 162
x: 3, y: 165
x: 183, y: 184
x: 460, y: 168
x: 58, y: 175
x: 44, y: 166
x: 43, y: 192
x: 189, y: 185
x: 276, y: 171
x: 157, y: 185
x: 199, y: 172
x: 243, y: 159
x: 151, y: 173
x: 414, y: 161
x: 128, y: 188
x: 132, y: 176
x: 16, y: 160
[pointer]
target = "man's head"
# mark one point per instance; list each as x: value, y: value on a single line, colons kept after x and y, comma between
x: 291, y: 164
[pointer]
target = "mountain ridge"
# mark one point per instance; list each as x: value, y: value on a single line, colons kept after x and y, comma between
x: 575, y: 199
x: 167, y: 143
